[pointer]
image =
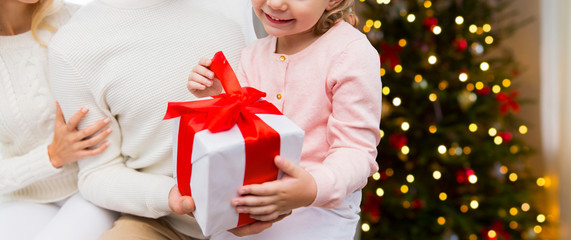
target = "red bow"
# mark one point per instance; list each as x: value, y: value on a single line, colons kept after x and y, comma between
x: 507, y: 102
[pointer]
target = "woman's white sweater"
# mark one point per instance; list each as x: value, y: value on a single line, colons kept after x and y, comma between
x: 27, y: 113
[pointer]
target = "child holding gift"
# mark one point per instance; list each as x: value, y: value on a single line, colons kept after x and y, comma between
x: 323, y: 74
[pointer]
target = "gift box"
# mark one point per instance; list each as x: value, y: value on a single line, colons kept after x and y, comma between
x: 227, y: 141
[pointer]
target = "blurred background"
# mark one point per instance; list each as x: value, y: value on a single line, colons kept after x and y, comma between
x: 475, y: 137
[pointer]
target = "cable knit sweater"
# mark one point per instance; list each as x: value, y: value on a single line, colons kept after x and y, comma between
x: 126, y: 59
x: 27, y: 113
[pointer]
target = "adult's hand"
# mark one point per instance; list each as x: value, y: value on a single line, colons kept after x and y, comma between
x: 180, y: 204
x: 70, y: 145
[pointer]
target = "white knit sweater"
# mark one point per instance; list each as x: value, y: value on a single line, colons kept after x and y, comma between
x: 126, y: 59
x: 27, y: 113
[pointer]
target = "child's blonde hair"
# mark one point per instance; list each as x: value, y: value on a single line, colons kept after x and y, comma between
x: 43, y: 9
x: 342, y: 11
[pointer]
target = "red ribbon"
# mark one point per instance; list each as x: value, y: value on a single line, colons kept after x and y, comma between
x: 237, y: 106
x: 507, y: 101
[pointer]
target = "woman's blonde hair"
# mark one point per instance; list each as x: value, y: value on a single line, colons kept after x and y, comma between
x: 342, y: 11
x: 43, y: 9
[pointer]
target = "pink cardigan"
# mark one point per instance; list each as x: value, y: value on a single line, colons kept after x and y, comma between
x: 332, y: 90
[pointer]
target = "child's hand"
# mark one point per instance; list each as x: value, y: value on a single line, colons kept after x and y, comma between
x: 201, y: 81
x: 267, y: 201
x: 180, y: 204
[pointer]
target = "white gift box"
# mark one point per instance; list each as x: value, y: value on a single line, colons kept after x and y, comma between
x: 218, y: 166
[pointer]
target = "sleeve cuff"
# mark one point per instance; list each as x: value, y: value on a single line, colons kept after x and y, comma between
x: 159, y: 197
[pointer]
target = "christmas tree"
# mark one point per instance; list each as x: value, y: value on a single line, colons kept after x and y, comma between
x: 452, y: 162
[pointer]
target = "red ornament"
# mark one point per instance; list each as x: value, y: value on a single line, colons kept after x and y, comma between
x: 372, y: 206
x: 398, y: 141
x: 463, y: 175
x: 484, y: 91
x: 498, y: 227
x: 390, y: 54
x: 417, y: 204
x: 506, y: 136
x: 430, y: 23
x: 461, y: 44
x: 507, y: 102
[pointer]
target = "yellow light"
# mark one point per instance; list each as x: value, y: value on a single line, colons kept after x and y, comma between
x: 380, y: 192
x: 463, y: 77
x: 484, y: 66
x: 410, y: 178
x: 467, y: 150
x: 432, y: 129
x: 463, y: 208
x: 496, y: 89
x: 473, y: 127
x: 459, y: 20
x: 470, y: 87
x: 492, y: 234
x: 441, y: 220
x: 513, y: 177
x: 540, y: 218
x: 427, y: 4
x: 405, y: 126
x: 487, y: 27
x: 525, y: 207
x: 523, y: 129
x: 479, y: 31
x: 396, y: 101
x: 489, y: 40
x: 432, y: 97
x: 479, y: 85
x: 386, y: 90
x: 406, y: 204
x: 473, y: 179
x: 442, y: 196
x: 398, y: 68
x: 442, y: 149
x: 383, y: 72
x: 473, y: 28
x: 537, y: 229
x: 405, y: 150
x: 437, y: 30
x: 389, y: 172
x: 432, y: 59
x: 404, y: 188
x: 402, y: 42
x: 506, y: 83
x: 377, y: 24
x: 410, y: 17
x: 513, y: 211
x: 513, y: 225
x: 498, y: 140
x: 436, y: 174
x: 366, y: 29
x: 376, y: 176
x: 474, y: 204
x: 514, y: 149
x: 443, y: 85
x: 369, y: 23
x: 365, y: 227
x: 417, y: 78
x: 540, y: 182
x: 382, y: 133
x: 492, y: 132
x: 503, y: 170
x: 473, y: 237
